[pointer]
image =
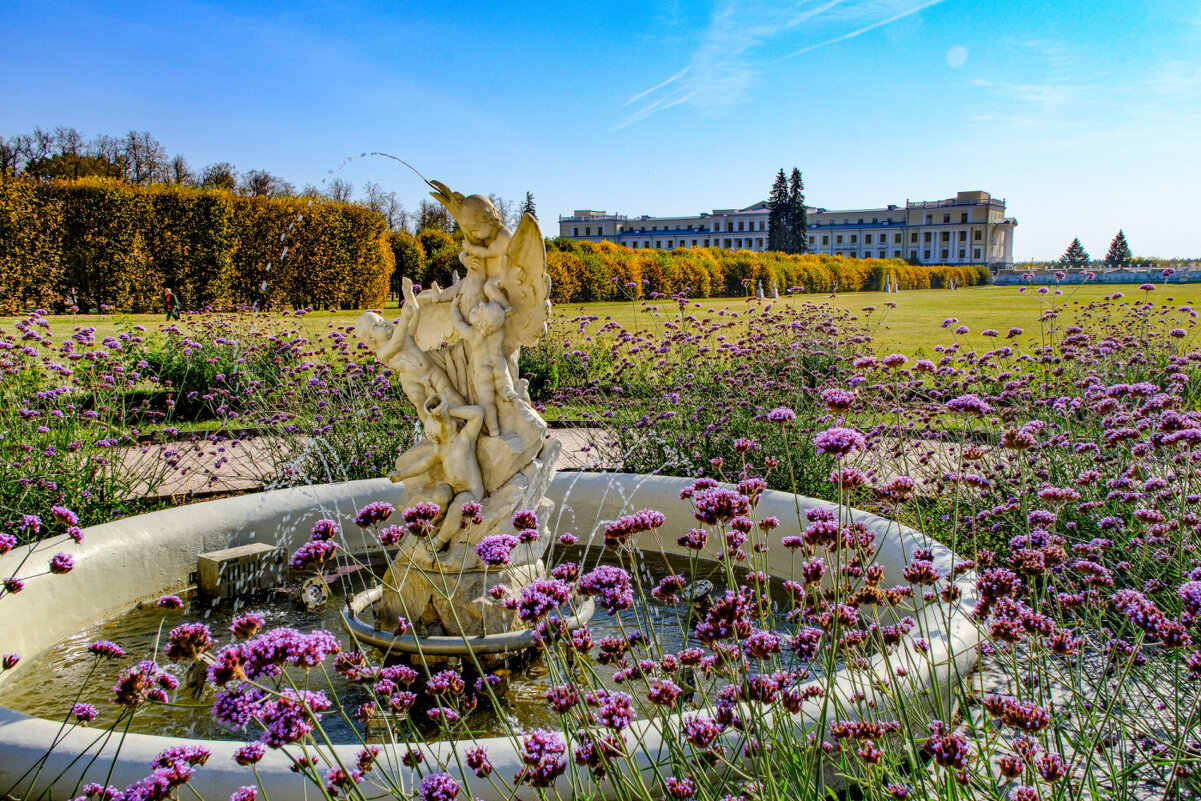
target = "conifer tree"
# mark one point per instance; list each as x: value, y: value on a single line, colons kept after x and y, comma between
x: 777, y: 215
x: 798, y: 218
x: 1119, y: 254
x: 528, y: 207
x: 1075, y: 255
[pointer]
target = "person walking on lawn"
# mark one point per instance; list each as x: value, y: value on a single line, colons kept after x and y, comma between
x: 171, y: 301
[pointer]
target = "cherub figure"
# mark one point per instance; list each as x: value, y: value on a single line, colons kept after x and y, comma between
x: 393, y: 343
x: 451, y: 447
x: 484, y: 334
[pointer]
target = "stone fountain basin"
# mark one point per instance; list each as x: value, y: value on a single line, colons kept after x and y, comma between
x: 142, y: 557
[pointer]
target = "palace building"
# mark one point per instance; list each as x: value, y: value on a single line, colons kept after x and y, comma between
x: 970, y: 228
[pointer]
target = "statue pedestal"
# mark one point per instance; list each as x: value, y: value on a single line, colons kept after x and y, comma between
x: 449, y: 593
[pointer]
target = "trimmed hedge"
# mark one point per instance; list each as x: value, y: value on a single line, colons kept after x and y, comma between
x: 590, y: 271
x: 113, y: 244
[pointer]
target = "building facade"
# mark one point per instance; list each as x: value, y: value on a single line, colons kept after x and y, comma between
x: 970, y: 228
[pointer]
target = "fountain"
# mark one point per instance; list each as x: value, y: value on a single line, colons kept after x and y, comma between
x: 484, y: 458
x: 485, y: 453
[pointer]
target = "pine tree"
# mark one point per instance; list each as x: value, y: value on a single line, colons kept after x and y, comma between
x: 798, y: 218
x: 1119, y: 254
x: 528, y: 206
x: 777, y: 215
x: 1075, y: 255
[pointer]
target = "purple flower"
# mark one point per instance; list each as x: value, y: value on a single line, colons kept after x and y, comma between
x: 189, y: 641
x: 324, y: 529
x: 62, y: 563
x: 169, y: 602
x: 84, y: 713
x: 374, y: 512
x: 542, y: 753
x: 246, y: 625
x: 523, y: 519
x: 439, y: 787
x: 31, y: 523
x: 781, y: 414
x: 619, y: 532
x: 250, y: 753
x: 244, y: 793
x: 7, y: 543
x: 477, y: 760
x: 313, y: 553
x: 9, y: 661
x: 969, y: 404
x: 13, y: 584
x: 611, y: 584
x: 64, y: 515
x: 839, y: 442
x: 106, y: 649
x: 494, y: 549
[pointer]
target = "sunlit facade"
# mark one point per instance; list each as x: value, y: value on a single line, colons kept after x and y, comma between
x: 970, y: 228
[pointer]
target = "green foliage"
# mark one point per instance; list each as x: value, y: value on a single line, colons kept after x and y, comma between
x: 409, y: 254
x: 777, y: 218
x: 72, y: 166
x: 798, y: 218
x: 442, y: 256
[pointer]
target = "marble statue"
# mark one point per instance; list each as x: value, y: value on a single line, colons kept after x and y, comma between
x: 455, y: 354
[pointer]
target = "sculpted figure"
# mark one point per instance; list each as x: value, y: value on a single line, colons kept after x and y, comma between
x: 482, y: 441
x: 489, y: 367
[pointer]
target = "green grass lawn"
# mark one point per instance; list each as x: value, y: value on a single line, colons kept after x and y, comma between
x: 913, y: 327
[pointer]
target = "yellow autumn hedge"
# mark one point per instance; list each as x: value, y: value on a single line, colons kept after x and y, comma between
x: 104, y: 242
x: 590, y: 271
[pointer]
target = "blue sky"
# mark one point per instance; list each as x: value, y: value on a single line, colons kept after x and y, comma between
x: 1085, y: 117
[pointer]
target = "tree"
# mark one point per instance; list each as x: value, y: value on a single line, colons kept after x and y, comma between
x: 506, y: 208
x: 180, y: 172
x: 777, y: 215
x: 410, y: 259
x: 260, y: 183
x: 1119, y: 254
x: 434, y: 215
x: 528, y: 206
x: 798, y: 219
x: 1075, y: 255
x: 339, y: 191
x: 144, y: 159
x: 221, y: 175
x: 386, y: 204
x: 71, y: 166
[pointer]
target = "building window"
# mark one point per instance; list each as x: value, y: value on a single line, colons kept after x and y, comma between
x: 860, y: 221
x: 854, y: 238
x: 838, y: 239
x: 825, y: 239
x: 913, y: 255
x: 883, y: 253
x: 759, y: 242
x: 944, y: 255
x: 963, y: 217
x: 706, y: 243
x: 976, y: 253
x: 587, y: 232
x: 658, y: 243
x: 929, y: 219
x: 927, y: 256
x: 962, y: 254
x: 575, y: 231
x: 867, y: 240
x: 694, y: 243
x: 896, y: 254
x: 946, y: 218
x: 927, y: 236
x: 976, y: 235
x: 912, y: 237
x: 729, y: 244
x: 896, y: 239
x: 761, y: 225
x: 875, y: 219
x: 963, y: 236
x: 946, y: 236
x: 812, y: 240
x: 670, y: 244
x: 646, y: 244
